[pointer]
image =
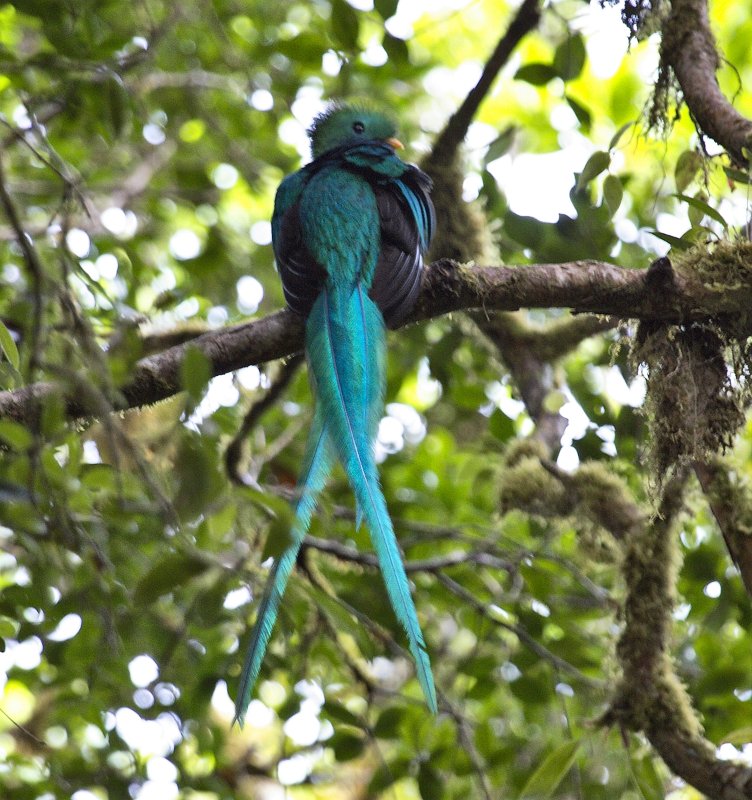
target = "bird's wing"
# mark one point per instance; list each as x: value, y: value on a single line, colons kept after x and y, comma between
x: 301, y: 274
x: 407, y: 224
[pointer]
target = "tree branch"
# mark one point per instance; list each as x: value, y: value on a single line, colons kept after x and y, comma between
x: 650, y: 697
x: 33, y: 265
x: 730, y: 500
x: 585, y: 286
x: 435, y: 564
x: 234, y: 451
x: 525, y: 638
x: 689, y: 47
x: 454, y: 132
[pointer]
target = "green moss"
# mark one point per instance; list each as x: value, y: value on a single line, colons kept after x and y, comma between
x: 529, y: 487
x: 520, y: 449
x: 722, y: 266
x: 650, y: 696
x: 606, y: 499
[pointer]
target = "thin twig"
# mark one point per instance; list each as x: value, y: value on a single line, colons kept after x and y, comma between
x: 234, y: 452
x: 33, y: 265
x: 529, y: 641
x: 435, y: 564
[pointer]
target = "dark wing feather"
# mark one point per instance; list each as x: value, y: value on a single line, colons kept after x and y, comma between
x: 407, y: 223
x: 302, y: 276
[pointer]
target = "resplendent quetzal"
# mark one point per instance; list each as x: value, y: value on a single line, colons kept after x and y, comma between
x: 349, y: 232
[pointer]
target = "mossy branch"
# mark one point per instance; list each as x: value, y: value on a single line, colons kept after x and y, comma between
x: 689, y: 49
x: 650, y: 697
x: 584, y: 286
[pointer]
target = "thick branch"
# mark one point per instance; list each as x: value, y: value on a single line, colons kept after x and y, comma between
x: 650, y: 696
x: 584, y: 286
x: 689, y: 47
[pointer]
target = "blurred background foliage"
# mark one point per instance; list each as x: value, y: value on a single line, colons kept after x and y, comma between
x: 141, y: 144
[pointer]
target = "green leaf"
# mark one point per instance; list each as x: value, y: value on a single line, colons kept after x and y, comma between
x: 195, y: 372
x: 8, y: 627
x: 597, y: 163
x: 527, y: 231
x: 388, y: 774
x: 647, y: 779
x: 279, y: 535
x: 8, y: 346
x: 346, y: 745
x: 551, y: 772
x: 388, y: 723
x: 340, y: 713
x: 613, y: 192
x: 500, y: 426
x: 117, y: 103
x: 674, y: 241
x: 584, y: 117
x: 736, y: 175
x: 740, y: 736
x: 430, y: 784
x: 703, y: 207
x: 687, y: 166
x: 501, y: 144
x: 537, y: 74
x: 15, y: 435
x: 569, y: 58
x: 386, y: 8
x: 396, y: 49
x: 174, y: 570
x: 617, y: 136
x: 345, y: 24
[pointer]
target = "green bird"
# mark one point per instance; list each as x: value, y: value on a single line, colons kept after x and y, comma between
x: 349, y: 233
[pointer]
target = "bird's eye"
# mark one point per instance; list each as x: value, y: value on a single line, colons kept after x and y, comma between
x: 358, y: 127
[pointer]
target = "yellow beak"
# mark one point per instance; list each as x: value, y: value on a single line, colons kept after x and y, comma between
x: 395, y: 143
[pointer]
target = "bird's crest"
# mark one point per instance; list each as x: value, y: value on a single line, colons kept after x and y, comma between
x: 349, y: 123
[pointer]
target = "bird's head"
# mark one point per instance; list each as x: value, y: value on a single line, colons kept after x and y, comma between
x: 347, y: 125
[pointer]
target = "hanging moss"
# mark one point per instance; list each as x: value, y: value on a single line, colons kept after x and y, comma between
x: 698, y: 374
x: 696, y: 394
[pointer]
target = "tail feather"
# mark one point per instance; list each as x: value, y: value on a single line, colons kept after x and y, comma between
x: 334, y: 337
x: 317, y: 465
x: 371, y: 355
